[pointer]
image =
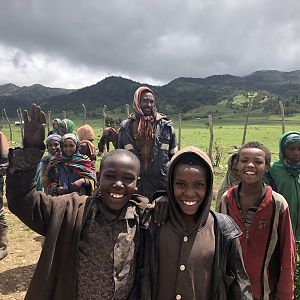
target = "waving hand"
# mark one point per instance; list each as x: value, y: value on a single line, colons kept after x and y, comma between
x: 34, y: 126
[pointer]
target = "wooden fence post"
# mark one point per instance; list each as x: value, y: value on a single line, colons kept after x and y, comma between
x: 179, y: 131
x: 250, y: 96
x: 211, y: 137
x: 64, y: 114
x: 9, y: 125
x: 104, y: 116
x: 49, y: 120
x: 127, y: 110
x: 282, y: 117
x: 19, y: 112
x: 84, y: 113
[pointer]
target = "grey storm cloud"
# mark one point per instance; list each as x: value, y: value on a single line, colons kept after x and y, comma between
x: 162, y: 40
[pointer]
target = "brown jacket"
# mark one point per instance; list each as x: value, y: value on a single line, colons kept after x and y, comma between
x: 202, y: 263
x: 59, y: 219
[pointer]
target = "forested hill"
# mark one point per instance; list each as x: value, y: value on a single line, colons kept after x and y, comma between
x: 181, y: 94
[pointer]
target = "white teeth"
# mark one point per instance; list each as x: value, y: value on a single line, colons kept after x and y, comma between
x: 114, y: 195
x: 189, y: 203
x: 250, y: 173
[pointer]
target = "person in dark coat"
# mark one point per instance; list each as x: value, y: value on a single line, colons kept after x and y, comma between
x: 151, y: 136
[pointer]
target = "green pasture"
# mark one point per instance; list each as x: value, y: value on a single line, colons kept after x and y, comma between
x: 228, y: 135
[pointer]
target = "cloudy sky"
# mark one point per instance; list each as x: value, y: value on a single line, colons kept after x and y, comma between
x: 75, y: 43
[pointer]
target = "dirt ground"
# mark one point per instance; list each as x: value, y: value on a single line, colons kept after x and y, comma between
x: 17, y: 268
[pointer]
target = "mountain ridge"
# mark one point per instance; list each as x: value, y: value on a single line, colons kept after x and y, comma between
x: 115, y: 91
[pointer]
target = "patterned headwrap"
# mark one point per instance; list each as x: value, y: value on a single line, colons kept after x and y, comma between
x: 74, y: 138
x: 146, y: 126
x: 85, y: 132
x: 79, y: 164
x: 56, y: 130
x: 68, y: 126
x: 292, y: 138
x: 53, y: 137
x: 293, y: 168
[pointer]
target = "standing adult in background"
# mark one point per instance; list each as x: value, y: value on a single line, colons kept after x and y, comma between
x: 3, y: 166
x: 151, y: 136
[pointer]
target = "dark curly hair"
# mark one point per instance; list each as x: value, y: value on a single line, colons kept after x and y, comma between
x: 119, y: 152
x: 257, y: 145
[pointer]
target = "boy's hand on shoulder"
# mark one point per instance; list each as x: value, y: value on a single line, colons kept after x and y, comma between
x: 161, y: 210
x: 34, y: 127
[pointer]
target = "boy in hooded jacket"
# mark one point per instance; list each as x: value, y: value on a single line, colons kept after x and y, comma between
x: 196, y: 254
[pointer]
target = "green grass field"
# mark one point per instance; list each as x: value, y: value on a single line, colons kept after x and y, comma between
x: 227, y: 133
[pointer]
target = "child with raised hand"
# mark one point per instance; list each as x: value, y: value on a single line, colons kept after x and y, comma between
x: 196, y: 254
x: 263, y: 216
x: 91, y: 242
x: 70, y: 171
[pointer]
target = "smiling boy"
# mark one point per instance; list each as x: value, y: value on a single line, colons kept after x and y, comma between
x: 90, y: 242
x: 196, y: 254
x: 263, y: 215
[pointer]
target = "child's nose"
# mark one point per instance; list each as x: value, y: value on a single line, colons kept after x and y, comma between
x: 189, y: 193
x: 119, y: 183
x: 250, y: 164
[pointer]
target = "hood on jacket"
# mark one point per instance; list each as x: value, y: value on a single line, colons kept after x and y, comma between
x: 282, y: 142
x: 203, y: 211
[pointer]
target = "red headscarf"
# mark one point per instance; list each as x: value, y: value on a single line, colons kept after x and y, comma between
x: 146, y: 126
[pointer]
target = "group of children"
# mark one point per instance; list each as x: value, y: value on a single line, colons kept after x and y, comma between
x: 70, y: 163
x: 108, y: 245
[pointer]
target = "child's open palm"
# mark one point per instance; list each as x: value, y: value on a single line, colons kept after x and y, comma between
x: 34, y: 126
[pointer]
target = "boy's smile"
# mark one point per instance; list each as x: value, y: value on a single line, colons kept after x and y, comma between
x: 252, y: 165
x: 189, y: 187
x: 118, y: 179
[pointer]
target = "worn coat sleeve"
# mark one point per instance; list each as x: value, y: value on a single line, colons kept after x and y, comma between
x: 285, y: 285
x: 32, y: 207
x: 240, y: 288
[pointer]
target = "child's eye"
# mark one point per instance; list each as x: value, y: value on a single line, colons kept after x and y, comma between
x: 179, y: 184
x: 199, y: 184
x: 129, y: 178
x: 109, y: 176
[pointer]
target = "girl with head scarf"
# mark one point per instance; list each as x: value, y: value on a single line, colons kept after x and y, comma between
x: 284, y: 176
x: 85, y: 134
x: 56, y: 124
x: 66, y: 126
x: 70, y: 171
x: 53, y: 147
x: 231, y: 178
